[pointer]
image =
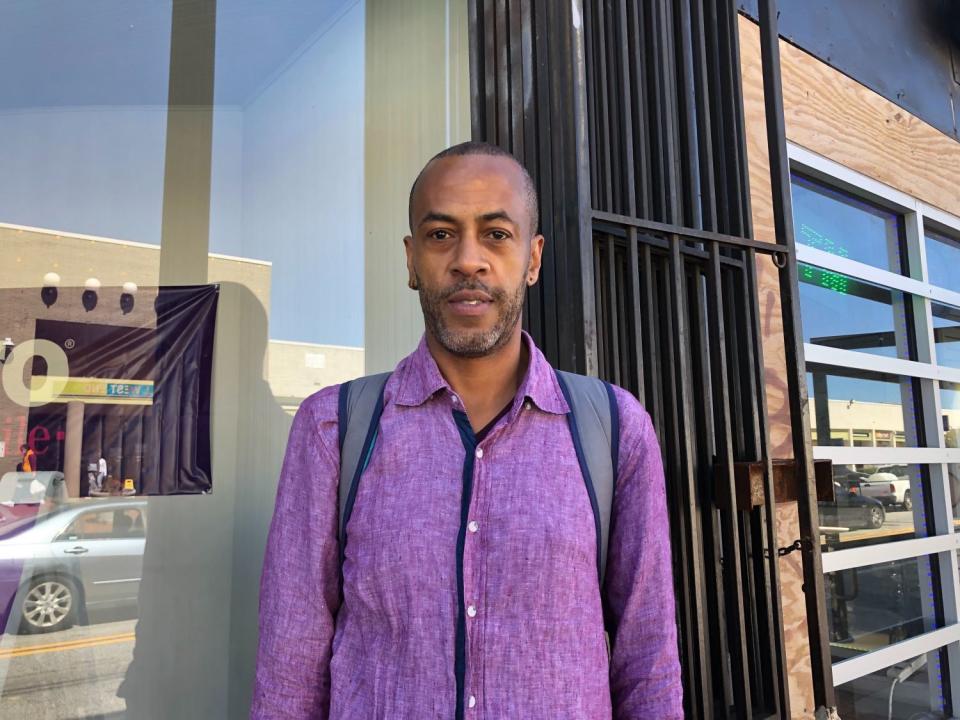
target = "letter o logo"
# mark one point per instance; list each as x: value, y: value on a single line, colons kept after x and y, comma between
x: 58, y: 369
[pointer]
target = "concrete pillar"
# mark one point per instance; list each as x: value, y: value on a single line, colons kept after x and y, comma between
x: 72, y: 450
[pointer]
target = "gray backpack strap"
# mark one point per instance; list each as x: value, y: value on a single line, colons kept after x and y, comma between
x: 359, y: 408
x: 594, y: 421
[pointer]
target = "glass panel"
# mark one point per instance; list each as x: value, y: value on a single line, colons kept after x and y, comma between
x: 857, y: 408
x: 279, y: 170
x: 874, y: 503
x: 849, y: 314
x: 950, y: 407
x: 953, y: 479
x: 943, y: 261
x: 913, y: 688
x: 874, y: 606
x: 843, y: 225
x: 946, y: 334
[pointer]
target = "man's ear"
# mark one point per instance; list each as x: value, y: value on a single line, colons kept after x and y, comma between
x: 536, y: 257
x: 411, y: 273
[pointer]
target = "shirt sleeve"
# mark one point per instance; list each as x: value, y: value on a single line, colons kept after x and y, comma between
x: 645, y: 676
x: 300, y: 583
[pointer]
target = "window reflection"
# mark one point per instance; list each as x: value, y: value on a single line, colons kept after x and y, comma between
x: 849, y: 314
x: 943, y: 261
x: 908, y: 689
x: 842, y: 225
x: 874, y: 606
x: 950, y: 409
x: 857, y: 408
x: 874, y: 503
x: 946, y: 334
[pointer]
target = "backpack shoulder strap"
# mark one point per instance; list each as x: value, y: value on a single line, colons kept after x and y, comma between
x: 360, y: 406
x: 594, y: 421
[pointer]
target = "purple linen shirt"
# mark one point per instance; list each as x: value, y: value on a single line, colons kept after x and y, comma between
x: 469, y: 567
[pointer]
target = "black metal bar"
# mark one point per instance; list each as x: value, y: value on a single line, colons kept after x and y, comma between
x: 689, y: 119
x: 613, y: 321
x: 477, y: 74
x: 822, y: 670
x: 702, y: 95
x: 636, y: 330
x: 636, y: 44
x: 671, y: 151
x: 652, y: 397
x: 629, y: 201
x: 733, y: 94
x: 683, y: 452
x: 703, y: 435
x: 692, y: 234
x: 605, y: 149
x: 772, y: 574
x: 733, y: 568
x: 515, y: 71
x: 502, y: 73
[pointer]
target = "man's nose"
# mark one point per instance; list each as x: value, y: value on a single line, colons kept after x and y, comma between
x: 470, y: 257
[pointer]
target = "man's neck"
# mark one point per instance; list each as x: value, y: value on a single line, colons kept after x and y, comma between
x: 485, y: 384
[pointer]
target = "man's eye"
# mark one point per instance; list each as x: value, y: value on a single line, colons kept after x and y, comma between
x: 499, y: 235
x: 440, y: 235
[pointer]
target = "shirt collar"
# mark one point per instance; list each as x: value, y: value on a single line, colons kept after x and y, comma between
x: 421, y: 379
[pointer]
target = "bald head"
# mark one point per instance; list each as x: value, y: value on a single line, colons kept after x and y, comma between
x: 531, y: 200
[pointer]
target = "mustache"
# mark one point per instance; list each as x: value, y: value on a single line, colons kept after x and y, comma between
x: 474, y: 285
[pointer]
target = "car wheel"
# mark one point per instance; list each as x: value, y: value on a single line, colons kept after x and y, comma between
x: 907, y: 502
x: 875, y: 517
x: 49, y: 603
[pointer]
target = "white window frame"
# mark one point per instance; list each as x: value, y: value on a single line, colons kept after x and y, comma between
x: 942, y: 547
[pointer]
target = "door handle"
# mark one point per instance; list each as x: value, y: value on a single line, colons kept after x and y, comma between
x: 78, y: 550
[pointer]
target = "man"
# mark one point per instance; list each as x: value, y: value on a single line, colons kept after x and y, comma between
x: 469, y: 585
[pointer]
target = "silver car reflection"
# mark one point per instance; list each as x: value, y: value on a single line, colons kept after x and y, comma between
x: 57, y: 566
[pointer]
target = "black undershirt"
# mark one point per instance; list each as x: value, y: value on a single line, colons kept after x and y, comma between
x: 485, y: 430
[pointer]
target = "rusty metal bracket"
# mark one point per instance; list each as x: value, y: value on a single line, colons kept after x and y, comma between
x: 748, y: 486
x: 788, y: 485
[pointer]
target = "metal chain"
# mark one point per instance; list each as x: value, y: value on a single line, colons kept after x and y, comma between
x: 801, y: 544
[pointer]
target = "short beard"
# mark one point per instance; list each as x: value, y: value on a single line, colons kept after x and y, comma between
x: 466, y: 343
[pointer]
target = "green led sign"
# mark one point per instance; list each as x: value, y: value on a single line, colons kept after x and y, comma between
x: 816, y: 276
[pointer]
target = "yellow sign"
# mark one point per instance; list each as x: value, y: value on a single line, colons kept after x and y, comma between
x: 98, y: 391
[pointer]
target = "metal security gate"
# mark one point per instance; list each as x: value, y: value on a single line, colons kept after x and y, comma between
x: 629, y: 117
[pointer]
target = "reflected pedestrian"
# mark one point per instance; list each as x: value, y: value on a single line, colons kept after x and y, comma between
x: 28, y: 462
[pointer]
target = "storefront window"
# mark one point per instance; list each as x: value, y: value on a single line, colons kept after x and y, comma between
x: 873, y: 606
x: 848, y: 227
x: 943, y: 260
x: 908, y: 689
x: 848, y: 314
x: 874, y: 503
x: 946, y: 334
x: 858, y: 408
x: 202, y: 212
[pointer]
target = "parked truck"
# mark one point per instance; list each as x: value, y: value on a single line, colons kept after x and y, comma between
x: 890, y: 485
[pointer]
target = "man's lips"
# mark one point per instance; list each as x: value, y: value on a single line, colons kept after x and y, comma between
x: 469, y: 302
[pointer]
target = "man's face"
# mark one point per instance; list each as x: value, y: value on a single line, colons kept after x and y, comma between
x: 471, y: 252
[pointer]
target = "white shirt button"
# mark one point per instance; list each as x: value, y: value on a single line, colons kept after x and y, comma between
x: 528, y: 406
x: 472, y: 611
x: 479, y: 453
x: 472, y: 701
x: 473, y: 526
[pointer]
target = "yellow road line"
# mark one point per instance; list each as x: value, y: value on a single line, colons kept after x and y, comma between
x: 66, y: 645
